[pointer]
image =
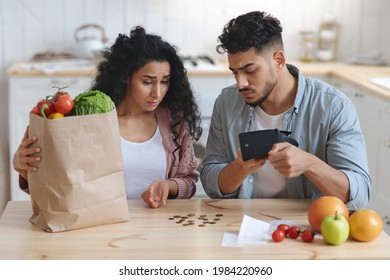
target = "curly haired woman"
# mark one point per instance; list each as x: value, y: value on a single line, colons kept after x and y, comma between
x: 157, y: 114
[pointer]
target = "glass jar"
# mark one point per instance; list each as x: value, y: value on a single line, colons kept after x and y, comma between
x: 307, y: 46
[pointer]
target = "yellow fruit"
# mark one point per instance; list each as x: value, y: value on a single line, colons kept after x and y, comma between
x: 365, y: 225
x: 56, y: 115
x: 325, y: 206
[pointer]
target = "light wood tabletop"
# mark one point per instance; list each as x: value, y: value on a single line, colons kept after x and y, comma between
x: 168, y: 233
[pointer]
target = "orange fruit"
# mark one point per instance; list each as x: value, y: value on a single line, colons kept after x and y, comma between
x: 365, y: 225
x: 325, y: 206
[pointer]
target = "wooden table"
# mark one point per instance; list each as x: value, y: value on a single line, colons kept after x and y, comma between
x: 156, y: 234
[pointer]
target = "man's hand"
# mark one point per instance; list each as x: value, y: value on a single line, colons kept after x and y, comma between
x: 289, y: 160
x: 234, y: 173
x: 251, y: 165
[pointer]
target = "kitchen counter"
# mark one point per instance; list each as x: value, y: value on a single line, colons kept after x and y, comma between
x: 358, y: 75
x: 158, y: 234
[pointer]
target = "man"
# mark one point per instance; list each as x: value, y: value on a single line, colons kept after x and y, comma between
x: 331, y: 158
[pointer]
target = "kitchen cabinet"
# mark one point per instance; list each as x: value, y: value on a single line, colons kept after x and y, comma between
x: 206, y: 90
x: 374, y: 117
x: 24, y: 93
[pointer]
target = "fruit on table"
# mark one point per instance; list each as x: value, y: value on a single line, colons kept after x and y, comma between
x: 335, y: 229
x: 294, y: 232
x: 284, y: 228
x: 325, y: 206
x: 278, y: 235
x: 307, y: 235
x: 365, y: 225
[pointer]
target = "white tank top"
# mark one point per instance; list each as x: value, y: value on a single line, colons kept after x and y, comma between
x: 269, y: 182
x: 143, y: 163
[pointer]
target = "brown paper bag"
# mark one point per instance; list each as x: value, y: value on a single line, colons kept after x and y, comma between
x: 80, y: 181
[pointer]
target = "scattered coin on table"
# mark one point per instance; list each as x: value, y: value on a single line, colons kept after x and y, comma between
x: 200, y: 220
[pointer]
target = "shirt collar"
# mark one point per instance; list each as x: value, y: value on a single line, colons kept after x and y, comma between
x: 301, y: 85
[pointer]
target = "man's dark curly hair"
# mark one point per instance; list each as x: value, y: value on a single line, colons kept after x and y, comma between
x: 130, y: 53
x: 254, y: 29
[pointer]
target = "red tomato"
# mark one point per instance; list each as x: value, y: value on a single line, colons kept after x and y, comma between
x: 64, y: 104
x: 307, y: 235
x: 294, y: 232
x: 284, y: 228
x: 278, y: 235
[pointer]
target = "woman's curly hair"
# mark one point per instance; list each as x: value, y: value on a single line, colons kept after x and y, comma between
x: 254, y: 29
x: 130, y: 53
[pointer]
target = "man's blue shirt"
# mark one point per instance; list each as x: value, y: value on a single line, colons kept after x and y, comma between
x: 323, y: 121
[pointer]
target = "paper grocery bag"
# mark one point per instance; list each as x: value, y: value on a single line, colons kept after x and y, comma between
x: 80, y: 181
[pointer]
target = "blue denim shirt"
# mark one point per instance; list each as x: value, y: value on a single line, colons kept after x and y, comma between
x: 323, y: 121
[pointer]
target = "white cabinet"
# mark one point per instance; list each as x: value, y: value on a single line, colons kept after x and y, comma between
x: 206, y: 90
x: 374, y: 117
x: 24, y: 93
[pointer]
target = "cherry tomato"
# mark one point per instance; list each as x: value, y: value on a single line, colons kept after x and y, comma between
x: 307, y: 235
x: 278, y: 235
x: 284, y: 228
x: 294, y: 232
x: 64, y: 104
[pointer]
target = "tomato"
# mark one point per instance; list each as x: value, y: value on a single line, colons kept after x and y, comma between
x: 64, y: 104
x: 278, y: 235
x: 307, y: 235
x: 284, y: 228
x: 294, y: 232
x: 365, y: 225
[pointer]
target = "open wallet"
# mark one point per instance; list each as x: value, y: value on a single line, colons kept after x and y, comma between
x: 257, y: 144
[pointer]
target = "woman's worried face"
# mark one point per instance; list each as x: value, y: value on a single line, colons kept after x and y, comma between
x: 148, y: 86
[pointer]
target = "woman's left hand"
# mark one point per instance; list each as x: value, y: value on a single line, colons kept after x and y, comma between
x: 157, y: 193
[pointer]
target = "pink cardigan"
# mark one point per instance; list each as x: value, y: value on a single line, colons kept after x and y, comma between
x: 183, y: 170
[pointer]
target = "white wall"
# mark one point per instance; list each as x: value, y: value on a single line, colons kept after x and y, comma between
x: 31, y: 26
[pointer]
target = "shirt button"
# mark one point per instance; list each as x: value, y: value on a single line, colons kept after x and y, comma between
x: 251, y: 180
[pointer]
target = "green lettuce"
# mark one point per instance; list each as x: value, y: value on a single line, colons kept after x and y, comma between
x: 92, y: 102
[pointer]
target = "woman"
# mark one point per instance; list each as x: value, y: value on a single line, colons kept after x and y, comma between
x: 157, y: 114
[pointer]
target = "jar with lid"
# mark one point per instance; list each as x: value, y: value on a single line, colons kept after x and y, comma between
x: 307, y: 46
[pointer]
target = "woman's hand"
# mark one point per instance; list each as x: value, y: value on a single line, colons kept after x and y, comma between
x: 26, y: 155
x: 157, y: 193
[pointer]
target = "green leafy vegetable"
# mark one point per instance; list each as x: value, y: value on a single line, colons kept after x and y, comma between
x: 92, y: 102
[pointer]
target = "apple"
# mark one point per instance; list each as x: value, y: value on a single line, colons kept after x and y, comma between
x: 335, y: 229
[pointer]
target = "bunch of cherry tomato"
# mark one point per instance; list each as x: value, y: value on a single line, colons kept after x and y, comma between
x: 54, y: 107
x: 283, y: 230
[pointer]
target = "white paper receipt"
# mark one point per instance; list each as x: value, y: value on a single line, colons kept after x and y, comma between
x: 252, y: 231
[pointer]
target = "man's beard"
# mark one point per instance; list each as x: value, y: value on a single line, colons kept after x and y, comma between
x: 267, y: 92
